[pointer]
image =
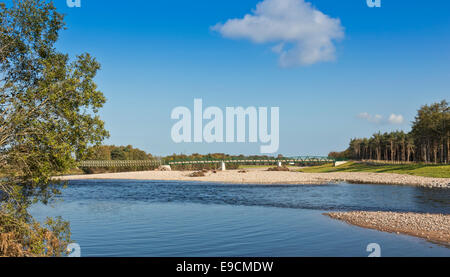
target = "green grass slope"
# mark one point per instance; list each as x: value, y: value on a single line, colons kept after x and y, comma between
x: 426, y: 170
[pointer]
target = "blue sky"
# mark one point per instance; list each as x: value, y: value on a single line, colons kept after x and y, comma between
x: 157, y: 55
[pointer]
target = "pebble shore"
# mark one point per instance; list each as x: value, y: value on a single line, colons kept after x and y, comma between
x: 432, y: 227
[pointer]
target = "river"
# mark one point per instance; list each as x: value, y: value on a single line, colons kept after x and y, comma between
x: 167, y: 219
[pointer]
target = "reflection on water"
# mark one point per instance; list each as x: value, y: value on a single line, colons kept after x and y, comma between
x: 148, y: 218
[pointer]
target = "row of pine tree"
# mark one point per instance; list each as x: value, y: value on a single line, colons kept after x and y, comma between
x: 428, y: 141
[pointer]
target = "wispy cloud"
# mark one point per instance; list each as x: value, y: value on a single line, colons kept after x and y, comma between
x: 393, y: 119
x: 371, y: 118
x: 396, y: 119
x: 303, y: 35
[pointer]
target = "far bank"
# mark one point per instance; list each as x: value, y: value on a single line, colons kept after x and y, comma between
x: 262, y: 176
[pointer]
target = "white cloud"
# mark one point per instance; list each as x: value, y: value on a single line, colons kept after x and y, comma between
x: 379, y: 119
x: 303, y: 34
x: 373, y: 119
x: 396, y: 119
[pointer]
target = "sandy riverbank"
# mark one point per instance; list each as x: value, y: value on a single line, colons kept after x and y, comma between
x: 262, y: 176
x: 432, y: 227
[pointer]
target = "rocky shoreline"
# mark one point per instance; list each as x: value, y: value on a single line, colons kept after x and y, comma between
x: 432, y: 227
x: 262, y: 176
x: 388, y: 179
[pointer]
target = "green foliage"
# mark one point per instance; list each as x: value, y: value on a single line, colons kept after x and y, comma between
x: 429, y: 140
x: 344, y: 155
x: 114, y: 153
x: 426, y: 170
x: 48, y: 106
x: 31, y: 239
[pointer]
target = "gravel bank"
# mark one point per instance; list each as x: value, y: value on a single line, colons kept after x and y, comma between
x: 432, y: 227
x: 262, y: 176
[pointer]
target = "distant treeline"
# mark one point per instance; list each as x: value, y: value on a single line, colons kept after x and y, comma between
x: 116, y: 153
x: 428, y: 141
x: 113, y: 153
x: 215, y: 156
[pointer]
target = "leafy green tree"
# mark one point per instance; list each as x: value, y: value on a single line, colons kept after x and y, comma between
x: 431, y: 132
x: 48, y: 106
x: 117, y: 154
x: 428, y: 141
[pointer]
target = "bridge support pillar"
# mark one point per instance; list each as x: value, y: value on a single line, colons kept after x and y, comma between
x: 223, y: 167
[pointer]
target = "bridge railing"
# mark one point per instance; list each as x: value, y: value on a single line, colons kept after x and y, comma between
x: 235, y: 160
x: 249, y: 160
x: 116, y: 163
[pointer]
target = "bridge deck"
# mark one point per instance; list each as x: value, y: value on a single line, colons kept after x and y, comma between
x: 150, y: 163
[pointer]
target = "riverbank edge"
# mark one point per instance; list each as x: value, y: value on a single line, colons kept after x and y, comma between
x: 273, y: 178
x: 434, y: 228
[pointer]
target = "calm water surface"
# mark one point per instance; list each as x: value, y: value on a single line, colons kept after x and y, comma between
x: 158, y: 219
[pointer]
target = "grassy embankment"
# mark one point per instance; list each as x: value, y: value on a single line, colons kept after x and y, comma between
x: 426, y: 170
x: 261, y: 166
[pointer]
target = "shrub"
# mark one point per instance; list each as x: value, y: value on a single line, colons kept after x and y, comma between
x: 278, y: 168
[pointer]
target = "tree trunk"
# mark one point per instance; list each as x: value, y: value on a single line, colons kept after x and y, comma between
x: 424, y: 153
x: 435, y: 152
x: 448, y: 150
x: 392, y: 151
x: 404, y: 152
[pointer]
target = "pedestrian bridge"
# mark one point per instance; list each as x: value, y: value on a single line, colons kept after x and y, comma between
x: 300, y: 160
